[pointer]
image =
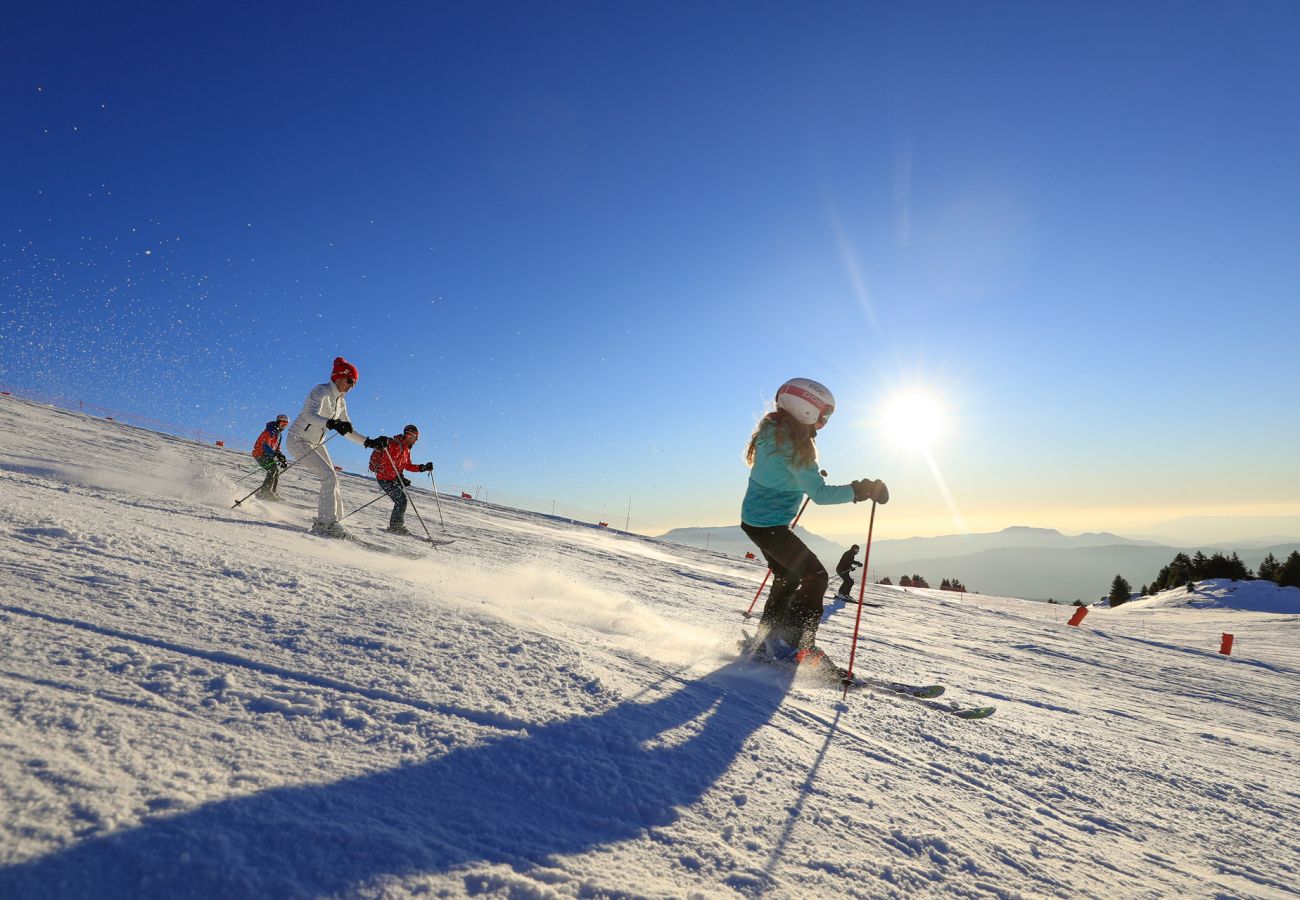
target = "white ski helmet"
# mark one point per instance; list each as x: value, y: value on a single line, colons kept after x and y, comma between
x: 808, y: 401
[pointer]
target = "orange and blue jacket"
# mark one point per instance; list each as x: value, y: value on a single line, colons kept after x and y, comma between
x: 268, y: 442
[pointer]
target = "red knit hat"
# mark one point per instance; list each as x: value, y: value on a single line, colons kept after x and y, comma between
x: 343, y: 369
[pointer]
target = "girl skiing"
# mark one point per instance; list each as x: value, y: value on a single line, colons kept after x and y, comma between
x: 325, y: 410
x: 782, y: 455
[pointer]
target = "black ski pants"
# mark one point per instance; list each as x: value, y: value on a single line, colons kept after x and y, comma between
x: 847, y: 584
x: 271, y: 466
x: 397, y: 494
x: 794, y: 604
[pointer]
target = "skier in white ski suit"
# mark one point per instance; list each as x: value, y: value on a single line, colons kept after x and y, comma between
x: 323, y: 410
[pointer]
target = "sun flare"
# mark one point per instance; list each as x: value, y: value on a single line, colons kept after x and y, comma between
x: 914, y: 420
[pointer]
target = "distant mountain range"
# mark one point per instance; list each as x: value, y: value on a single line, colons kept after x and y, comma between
x: 731, y: 541
x: 1237, y: 531
x: 1034, y: 563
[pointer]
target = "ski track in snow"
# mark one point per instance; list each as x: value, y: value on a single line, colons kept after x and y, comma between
x: 200, y: 701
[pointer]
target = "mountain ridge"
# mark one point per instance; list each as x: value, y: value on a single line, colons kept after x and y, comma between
x: 1020, y: 561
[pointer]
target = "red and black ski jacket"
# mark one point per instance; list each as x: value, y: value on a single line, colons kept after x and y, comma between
x: 400, y: 454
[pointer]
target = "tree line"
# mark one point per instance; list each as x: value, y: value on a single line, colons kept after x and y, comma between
x: 1185, y: 570
x: 948, y: 584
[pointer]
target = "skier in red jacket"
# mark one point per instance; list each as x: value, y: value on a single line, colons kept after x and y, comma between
x: 266, y: 450
x: 391, y: 460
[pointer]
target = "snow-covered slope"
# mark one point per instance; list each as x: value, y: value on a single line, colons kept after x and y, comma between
x: 1222, y: 594
x: 196, y: 701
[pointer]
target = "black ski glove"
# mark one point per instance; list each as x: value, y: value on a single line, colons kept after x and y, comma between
x: 342, y: 426
x: 870, y: 489
x: 375, y: 443
x: 426, y: 467
x: 406, y: 481
x: 281, y: 461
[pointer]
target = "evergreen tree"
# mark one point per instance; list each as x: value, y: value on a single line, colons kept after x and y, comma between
x: 918, y: 581
x: 1289, y: 573
x: 1119, y: 591
x: 885, y: 580
x: 1200, y: 567
x: 1238, y: 569
x: 1269, y: 567
x: 945, y: 585
x: 904, y: 582
x: 1180, y: 570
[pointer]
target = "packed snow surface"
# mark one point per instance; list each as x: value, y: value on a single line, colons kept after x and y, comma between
x: 197, y: 701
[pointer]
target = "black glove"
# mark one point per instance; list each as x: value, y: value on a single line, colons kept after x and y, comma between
x: 375, y: 443
x: 342, y: 426
x: 406, y: 481
x: 870, y: 489
x: 281, y: 461
x: 426, y: 467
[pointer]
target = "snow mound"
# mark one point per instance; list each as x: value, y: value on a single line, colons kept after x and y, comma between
x: 1223, y: 593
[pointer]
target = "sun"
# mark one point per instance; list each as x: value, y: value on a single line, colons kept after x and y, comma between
x: 914, y: 420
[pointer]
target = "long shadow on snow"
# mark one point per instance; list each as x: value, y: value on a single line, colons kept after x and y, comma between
x: 563, y: 788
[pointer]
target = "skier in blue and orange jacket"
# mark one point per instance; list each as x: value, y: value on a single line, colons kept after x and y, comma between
x: 782, y: 454
x: 266, y: 450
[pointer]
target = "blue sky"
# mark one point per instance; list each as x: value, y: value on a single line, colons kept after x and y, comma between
x: 581, y: 244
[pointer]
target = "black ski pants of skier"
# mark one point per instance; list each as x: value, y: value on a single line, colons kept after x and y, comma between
x: 397, y: 494
x: 847, y: 584
x: 270, y: 484
x: 794, y: 604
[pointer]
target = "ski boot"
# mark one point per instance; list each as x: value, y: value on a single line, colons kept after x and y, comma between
x: 330, y: 530
x: 816, y: 661
x: 776, y: 649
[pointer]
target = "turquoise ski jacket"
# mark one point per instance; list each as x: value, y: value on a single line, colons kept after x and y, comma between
x: 777, y: 487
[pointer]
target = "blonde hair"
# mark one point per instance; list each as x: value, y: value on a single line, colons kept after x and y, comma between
x: 799, y: 438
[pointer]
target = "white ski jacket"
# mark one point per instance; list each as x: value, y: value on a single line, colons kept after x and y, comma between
x: 322, y: 404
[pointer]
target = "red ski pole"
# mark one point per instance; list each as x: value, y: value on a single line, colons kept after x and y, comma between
x: 749, y: 611
x: 862, y: 589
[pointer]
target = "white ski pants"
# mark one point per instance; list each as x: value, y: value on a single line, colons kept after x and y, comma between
x: 315, y: 458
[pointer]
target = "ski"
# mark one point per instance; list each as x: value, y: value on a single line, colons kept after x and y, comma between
x: 807, y: 676
x: 920, y: 692
x: 369, y: 545
x: 925, y: 696
x: 436, y: 542
x: 808, y: 672
x: 849, y: 601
